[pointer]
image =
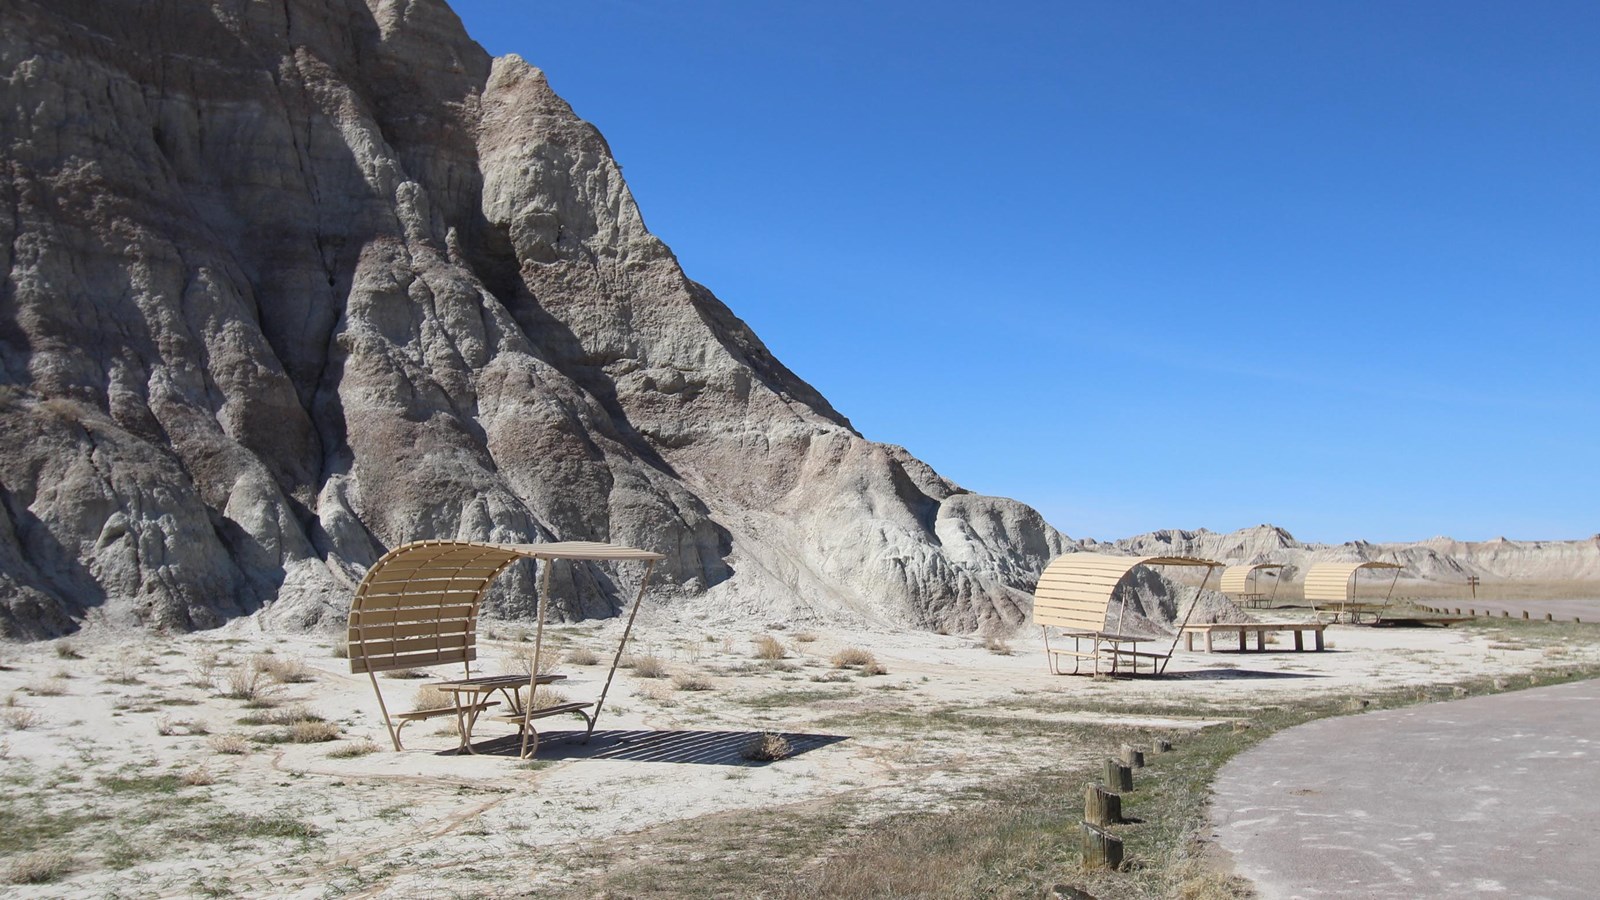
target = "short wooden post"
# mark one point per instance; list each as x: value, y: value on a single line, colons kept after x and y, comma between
x: 1505, y: 613
x: 1101, y: 849
x: 1524, y: 614
x: 1118, y: 776
x: 1472, y: 612
x: 1161, y: 747
x: 1549, y: 618
x: 1132, y: 757
x: 1100, y: 806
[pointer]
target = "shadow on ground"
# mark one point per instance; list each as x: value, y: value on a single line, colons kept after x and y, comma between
x: 1238, y: 675
x: 708, y: 748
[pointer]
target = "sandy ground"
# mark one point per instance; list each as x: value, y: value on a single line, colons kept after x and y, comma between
x: 116, y: 760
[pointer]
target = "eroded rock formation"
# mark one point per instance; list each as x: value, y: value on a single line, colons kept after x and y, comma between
x: 289, y: 283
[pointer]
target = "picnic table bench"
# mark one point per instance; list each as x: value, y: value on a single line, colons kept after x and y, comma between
x: 1260, y: 630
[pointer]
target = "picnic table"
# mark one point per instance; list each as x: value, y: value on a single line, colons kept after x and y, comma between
x: 472, y: 695
x: 1260, y: 630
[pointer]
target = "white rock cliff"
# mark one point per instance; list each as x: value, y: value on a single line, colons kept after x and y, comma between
x: 289, y: 283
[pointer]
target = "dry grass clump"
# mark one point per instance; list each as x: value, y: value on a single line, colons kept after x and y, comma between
x: 874, y: 668
x: 291, y: 715
x: 997, y: 645
x: 853, y: 656
x: 545, y: 697
x: 205, y: 667
x: 251, y: 684
x: 168, y: 727
x: 311, y: 732
x: 67, y: 650
x: 53, y: 687
x: 692, y: 682
x: 767, y: 747
x: 199, y: 776
x: 659, y: 694
x: 123, y: 674
x: 804, y: 637
x: 341, y: 649
x: 353, y: 749
x: 284, y: 670
x: 583, y: 656
x: 21, y: 718
x: 767, y: 647
x: 229, y: 744
x: 430, y: 697
x: 549, y: 658
x: 406, y: 674
x: 39, y: 867
x: 649, y: 667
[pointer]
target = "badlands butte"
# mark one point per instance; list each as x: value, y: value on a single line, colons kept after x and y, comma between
x: 289, y: 284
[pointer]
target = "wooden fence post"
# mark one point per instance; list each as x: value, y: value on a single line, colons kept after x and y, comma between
x: 1100, y: 806
x: 1101, y: 849
x: 1132, y: 757
x: 1118, y: 776
x: 1161, y: 747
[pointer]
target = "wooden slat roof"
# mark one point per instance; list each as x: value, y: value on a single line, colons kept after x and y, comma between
x: 1236, y: 579
x: 1076, y: 588
x: 428, y: 592
x: 1329, y: 582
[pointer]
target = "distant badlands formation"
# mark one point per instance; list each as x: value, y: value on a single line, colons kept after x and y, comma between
x: 285, y: 285
x: 1441, y: 559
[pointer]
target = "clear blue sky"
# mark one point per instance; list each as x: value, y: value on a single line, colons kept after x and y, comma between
x: 1334, y: 266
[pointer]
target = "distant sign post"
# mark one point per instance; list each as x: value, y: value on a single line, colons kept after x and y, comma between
x: 1472, y: 581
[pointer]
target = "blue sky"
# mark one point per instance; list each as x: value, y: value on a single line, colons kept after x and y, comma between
x: 1333, y: 266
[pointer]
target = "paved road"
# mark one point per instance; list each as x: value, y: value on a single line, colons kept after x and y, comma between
x: 1486, y: 796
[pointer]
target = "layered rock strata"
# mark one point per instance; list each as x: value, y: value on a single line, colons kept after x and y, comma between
x: 290, y: 283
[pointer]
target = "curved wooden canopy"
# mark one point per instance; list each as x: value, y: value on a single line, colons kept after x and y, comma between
x: 418, y: 605
x: 1330, y: 582
x: 1075, y: 590
x: 1236, y: 579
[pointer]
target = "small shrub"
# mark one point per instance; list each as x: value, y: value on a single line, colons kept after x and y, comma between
x: 545, y: 697
x: 199, y: 776
x: 67, y: 650
x: 997, y: 645
x: 583, y: 656
x: 805, y: 637
x: 21, y: 718
x: 284, y: 670
x: 353, y: 749
x: 874, y: 668
x: 430, y: 697
x: 692, y: 683
x: 406, y: 674
x: 767, y: 747
x: 291, y: 715
x: 549, y: 658
x: 853, y: 656
x: 205, y: 667
x: 768, y: 647
x: 53, y: 687
x: 341, y: 650
x: 169, y: 727
x: 39, y: 867
x: 312, y: 732
x: 649, y: 667
x: 123, y: 674
x: 251, y: 684
x: 229, y: 744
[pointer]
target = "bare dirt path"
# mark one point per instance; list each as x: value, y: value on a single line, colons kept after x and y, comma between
x: 1489, y: 795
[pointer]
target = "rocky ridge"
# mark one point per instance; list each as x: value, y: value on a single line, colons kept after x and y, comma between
x: 1436, y: 559
x: 288, y: 284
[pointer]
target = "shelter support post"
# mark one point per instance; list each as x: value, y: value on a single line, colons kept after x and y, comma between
x: 627, y: 629
x: 538, y: 648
